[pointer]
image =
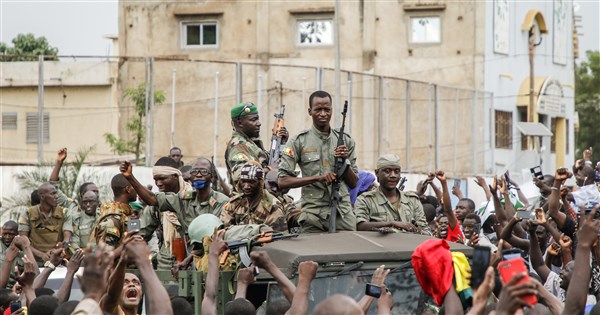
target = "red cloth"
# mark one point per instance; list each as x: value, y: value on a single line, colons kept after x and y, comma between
x: 432, y: 262
x: 455, y: 235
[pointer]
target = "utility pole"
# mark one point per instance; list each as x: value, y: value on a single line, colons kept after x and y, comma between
x: 173, y: 109
x: 338, y: 90
x: 40, y: 108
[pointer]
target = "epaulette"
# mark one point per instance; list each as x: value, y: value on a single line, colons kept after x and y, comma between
x: 187, y: 195
x: 370, y: 193
x: 303, y: 132
x: 411, y: 194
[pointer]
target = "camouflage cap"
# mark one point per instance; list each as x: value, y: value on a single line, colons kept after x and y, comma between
x: 251, y: 171
x: 388, y: 160
x: 243, y: 109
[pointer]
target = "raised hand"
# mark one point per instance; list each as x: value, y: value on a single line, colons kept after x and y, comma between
x: 75, y: 260
x: 562, y: 174
x: 218, y: 245
x: 126, y: 169
x: 246, y: 275
x: 553, y: 249
x: 588, y: 228
x: 565, y: 242
x: 61, y: 156
x: 587, y: 154
x: 502, y: 185
x: 29, y: 272
x: 540, y: 216
x: 441, y: 176
x: 308, y: 269
x: 97, y: 264
x: 379, y: 275
x: 260, y: 259
x: 341, y: 152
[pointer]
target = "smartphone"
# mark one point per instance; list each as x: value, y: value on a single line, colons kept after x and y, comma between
x: 373, y: 290
x: 512, y: 253
x: 457, y: 183
x: 507, y: 176
x: 481, y: 261
x: 133, y: 225
x: 15, y: 306
x: 537, y: 172
x: 525, y: 214
x: 510, y: 268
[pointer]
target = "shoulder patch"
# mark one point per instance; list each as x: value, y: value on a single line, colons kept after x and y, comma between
x: 240, y: 157
x: 288, y: 151
x: 186, y: 195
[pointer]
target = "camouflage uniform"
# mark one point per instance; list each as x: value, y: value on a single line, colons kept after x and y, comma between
x: 17, y: 262
x: 241, y: 150
x: 112, y: 223
x: 269, y: 211
x: 373, y: 206
x: 313, y: 151
x: 81, y: 225
x: 44, y: 233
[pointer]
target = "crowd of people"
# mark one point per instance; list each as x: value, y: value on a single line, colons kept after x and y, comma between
x: 187, y: 223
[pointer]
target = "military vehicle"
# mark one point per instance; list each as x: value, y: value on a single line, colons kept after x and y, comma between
x: 346, y: 261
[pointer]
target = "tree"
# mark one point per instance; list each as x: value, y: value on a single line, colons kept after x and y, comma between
x: 587, y: 104
x: 70, y: 178
x: 136, y: 124
x: 26, y: 47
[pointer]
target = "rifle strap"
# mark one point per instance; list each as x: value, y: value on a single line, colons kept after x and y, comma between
x: 342, y: 169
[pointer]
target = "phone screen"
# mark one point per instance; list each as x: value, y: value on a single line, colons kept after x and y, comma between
x: 508, y: 254
x: 457, y: 183
x: 525, y: 214
x: 373, y: 290
x: 133, y: 225
x: 481, y: 261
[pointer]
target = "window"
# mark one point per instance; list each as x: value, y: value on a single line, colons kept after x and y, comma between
x: 199, y: 34
x: 9, y: 120
x: 425, y: 29
x: 315, y: 32
x: 503, y: 130
x: 32, y: 128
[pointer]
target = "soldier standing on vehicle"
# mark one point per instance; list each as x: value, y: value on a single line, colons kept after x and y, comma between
x: 187, y: 204
x: 254, y: 205
x: 315, y: 150
x: 245, y: 145
x: 387, y: 206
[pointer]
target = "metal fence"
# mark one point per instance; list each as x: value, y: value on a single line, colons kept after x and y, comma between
x: 428, y: 125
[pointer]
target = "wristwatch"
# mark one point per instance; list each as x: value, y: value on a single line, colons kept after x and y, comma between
x: 48, y: 264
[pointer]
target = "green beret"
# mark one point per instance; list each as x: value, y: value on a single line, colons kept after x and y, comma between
x: 388, y: 160
x: 243, y: 109
x: 136, y: 205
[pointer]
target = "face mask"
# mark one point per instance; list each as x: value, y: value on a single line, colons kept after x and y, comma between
x: 199, y: 183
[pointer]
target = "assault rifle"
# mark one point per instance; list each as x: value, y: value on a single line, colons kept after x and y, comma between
x: 275, y: 152
x: 340, y: 168
x: 245, y: 245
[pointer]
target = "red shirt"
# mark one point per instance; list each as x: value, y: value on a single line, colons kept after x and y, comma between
x: 455, y: 235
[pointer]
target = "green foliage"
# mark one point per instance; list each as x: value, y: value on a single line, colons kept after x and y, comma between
x: 27, y: 47
x: 70, y: 179
x: 587, y: 104
x: 136, y: 125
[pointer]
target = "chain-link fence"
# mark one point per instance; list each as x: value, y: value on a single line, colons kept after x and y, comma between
x: 429, y: 126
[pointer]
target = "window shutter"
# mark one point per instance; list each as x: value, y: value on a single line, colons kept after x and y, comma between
x: 9, y: 120
x: 32, y: 128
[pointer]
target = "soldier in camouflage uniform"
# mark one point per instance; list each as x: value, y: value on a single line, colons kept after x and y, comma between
x: 315, y: 150
x: 387, y: 206
x: 244, y: 145
x: 112, y: 221
x: 254, y: 205
x: 187, y: 204
x: 79, y: 223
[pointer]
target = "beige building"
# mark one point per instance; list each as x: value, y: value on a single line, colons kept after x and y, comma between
x: 80, y: 105
x: 274, y: 52
x: 436, y: 82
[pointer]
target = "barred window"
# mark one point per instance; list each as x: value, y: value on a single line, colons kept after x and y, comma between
x: 503, y: 130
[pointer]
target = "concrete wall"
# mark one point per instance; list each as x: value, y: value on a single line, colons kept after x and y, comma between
x: 79, y: 97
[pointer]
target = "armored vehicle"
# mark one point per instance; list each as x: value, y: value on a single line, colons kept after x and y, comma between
x: 346, y: 261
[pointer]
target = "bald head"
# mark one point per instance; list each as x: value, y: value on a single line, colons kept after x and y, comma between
x: 44, y: 188
x: 338, y: 304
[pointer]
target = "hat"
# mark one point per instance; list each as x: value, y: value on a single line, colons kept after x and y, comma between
x: 243, y: 109
x: 432, y: 262
x: 251, y: 171
x: 388, y: 160
x: 202, y: 226
x: 136, y: 205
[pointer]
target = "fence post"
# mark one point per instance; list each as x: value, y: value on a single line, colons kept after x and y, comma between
x: 238, y: 83
x: 407, y: 123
